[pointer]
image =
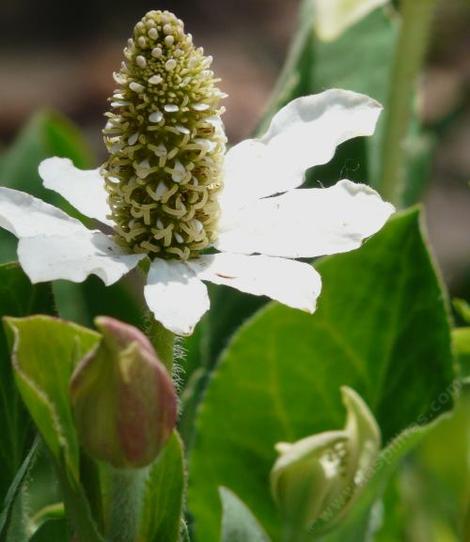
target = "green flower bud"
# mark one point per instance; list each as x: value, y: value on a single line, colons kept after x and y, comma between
x: 315, y: 480
x: 123, y: 399
x: 166, y: 142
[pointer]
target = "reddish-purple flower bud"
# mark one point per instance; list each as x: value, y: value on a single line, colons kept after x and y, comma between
x: 123, y: 398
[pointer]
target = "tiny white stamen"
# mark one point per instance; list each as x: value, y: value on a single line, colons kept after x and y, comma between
x: 160, y: 224
x: 120, y: 80
x: 170, y: 64
x: 200, y: 107
x: 155, y: 79
x: 136, y: 87
x: 153, y: 33
x: 161, y: 150
x: 178, y: 237
x: 169, y: 40
x: 119, y: 104
x: 179, y: 172
x: 197, y: 225
x: 156, y: 116
x: 141, y: 62
x: 182, y: 129
x: 133, y: 138
x: 193, y: 62
x: 157, y: 52
x: 143, y: 169
x: 171, y: 108
x: 161, y: 189
x: 142, y: 42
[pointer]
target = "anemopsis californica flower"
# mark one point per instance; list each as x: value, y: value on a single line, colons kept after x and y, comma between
x: 171, y: 193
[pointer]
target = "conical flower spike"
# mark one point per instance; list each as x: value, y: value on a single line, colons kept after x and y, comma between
x: 317, y: 478
x: 166, y: 143
x: 123, y: 398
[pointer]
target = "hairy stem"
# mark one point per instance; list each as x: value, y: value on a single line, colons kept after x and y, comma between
x: 163, y: 341
x: 409, y: 54
x: 125, y: 501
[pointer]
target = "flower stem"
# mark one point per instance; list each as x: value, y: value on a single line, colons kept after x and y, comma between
x: 409, y: 54
x: 125, y: 500
x: 163, y: 341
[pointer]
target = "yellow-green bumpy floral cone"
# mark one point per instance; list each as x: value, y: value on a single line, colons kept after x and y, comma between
x: 166, y: 142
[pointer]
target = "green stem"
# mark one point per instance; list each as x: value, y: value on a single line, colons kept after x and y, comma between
x: 409, y: 54
x: 126, y: 489
x: 163, y: 341
x: 77, y: 509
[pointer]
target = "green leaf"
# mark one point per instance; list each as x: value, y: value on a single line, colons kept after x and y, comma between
x: 164, y: 494
x: 381, y: 325
x: 18, y: 297
x: 44, y: 353
x: 238, y: 523
x: 463, y: 309
x: 54, y: 530
x: 461, y: 343
x: 430, y: 495
x: 14, y: 495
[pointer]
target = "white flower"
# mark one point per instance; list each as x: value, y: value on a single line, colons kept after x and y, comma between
x: 265, y: 220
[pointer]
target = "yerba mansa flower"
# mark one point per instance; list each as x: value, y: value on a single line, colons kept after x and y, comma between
x: 171, y: 194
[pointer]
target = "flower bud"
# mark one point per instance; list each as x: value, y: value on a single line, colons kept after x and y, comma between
x: 123, y: 399
x: 315, y: 480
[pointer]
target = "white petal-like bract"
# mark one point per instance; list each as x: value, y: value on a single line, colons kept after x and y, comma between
x: 308, y: 222
x: 55, y: 246
x: 84, y: 189
x: 45, y: 257
x: 26, y: 216
x: 302, y: 134
x: 177, y: 298
x: 292, y: 283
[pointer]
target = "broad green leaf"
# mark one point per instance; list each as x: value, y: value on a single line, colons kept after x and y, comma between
x: 381, y: 325
x: 164, y: 495
x: 18, y: 297
x: 44, y: 353
x: 238, y: 523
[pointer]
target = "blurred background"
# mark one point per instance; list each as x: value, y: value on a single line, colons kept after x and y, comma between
x: 60, y: 55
